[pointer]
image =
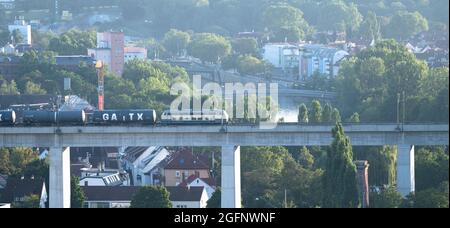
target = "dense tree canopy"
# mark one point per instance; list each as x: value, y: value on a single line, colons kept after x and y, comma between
x: 151, y: 197
x: 339, y: 180
x: 403, y: 25
x: 209, y: 47
x: 371, y: 83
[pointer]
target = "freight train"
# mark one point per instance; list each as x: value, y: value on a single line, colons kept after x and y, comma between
x: 111, y: 118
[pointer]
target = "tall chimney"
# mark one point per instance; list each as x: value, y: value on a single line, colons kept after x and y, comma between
x: 363, y: 182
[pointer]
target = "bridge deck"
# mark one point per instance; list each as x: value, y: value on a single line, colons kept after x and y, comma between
x: 244, y: 135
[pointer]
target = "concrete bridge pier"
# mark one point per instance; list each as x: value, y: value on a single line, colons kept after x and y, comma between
x: 231, y: 177
x: 405, y: 170
x: 59, y: 177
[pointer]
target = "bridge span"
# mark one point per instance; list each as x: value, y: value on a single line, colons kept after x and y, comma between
x: 229, y: 138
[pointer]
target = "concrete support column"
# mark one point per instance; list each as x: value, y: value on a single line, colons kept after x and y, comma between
x: 59, y: 177
x: 405, y: 170
x: 231, y: 177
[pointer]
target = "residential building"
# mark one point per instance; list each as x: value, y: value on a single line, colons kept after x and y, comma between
x: 111, y: 50
x: 184, y: 164
x: 24, y: 30
x: 282, y: 56
x: 321, y: 59
x: 121, y: 197
x: 145, y: 164
x: 109, y: 197
x: 99, y: 177
x: 17, y: 190
x: 135, y: 53
x: 8, y: 49
x: 207, y: 183
x: 188, y: 197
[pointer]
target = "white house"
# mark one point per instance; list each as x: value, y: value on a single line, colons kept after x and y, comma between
x: 195, y: 181
x: 8, y: 49
x: 96, y: 177
x: 319, y: 58
x: 135, y: 53
x: 23, y: 28
x: 145, y: 164
x: 190, y: 197
x: 284, y: 56
x: 121, y: 197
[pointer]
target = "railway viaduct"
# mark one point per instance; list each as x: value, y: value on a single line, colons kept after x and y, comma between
x: 230, y: 138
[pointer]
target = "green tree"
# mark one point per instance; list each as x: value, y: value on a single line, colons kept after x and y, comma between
x: 176, y: 42
x: 404, y: 24
x: 151, y: 197
x: 327, y: 113
x: 17, y: 37
x: 370, y: 83
x: 354, y: 118
x: 387, y: 198
x: 370, y: 29
x: 209, y: 47
x: 215, y: 200
x: 303, y: 186
x: 31, y: 201
x: 245, y: 46
x: 336, y: 116
x: 338, y: 16
x: 432, y: 167
x: 73, y: 42
x: 250, y: 65
x: 19, y: 159
x: 5, y: 164
x: 9, y: 88
x: 34, y: 89
x: 431, y: 198
x: 281, y: 17
x: 77, y: 196
x: 37, y: 169
x: 315, y: 116
x: 303, y: 116
x: 383, y: 164
x: 305, y: 158
x: 339, y: 181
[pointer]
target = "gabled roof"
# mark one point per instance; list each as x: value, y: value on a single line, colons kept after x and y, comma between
x: 192, y: 194
x: 133, y: 153
x: 185, y: 160
x: 17, y: 188
x: 126, y: 193
x: 109, y: 193
x: 209, y: 181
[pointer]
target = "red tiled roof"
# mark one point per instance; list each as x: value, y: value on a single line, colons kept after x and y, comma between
x: 185, y: 160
